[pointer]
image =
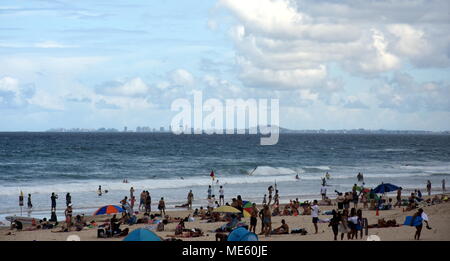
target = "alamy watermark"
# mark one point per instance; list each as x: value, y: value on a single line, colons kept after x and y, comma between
x: 232, y: 116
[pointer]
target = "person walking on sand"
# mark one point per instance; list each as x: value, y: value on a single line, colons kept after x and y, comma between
x: 162, y: 207
x: 264, y: 202
x: 429, y: 187
x: 315, y: 215
x: 221, y: 196
x: 323, y: 192
x: 422, y: 218
x: 334, y: 223
x: 190, y: 199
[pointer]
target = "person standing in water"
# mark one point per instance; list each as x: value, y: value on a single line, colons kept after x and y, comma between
x: 131, y: 192
x: 221, y: 196
x: 68, y: 199
x: 209, y: 192
x: 443, y: 185
x: 429, y: 187
x: 53, y: 199
x: 29, y: 204
x: 190, y: 199
x: 99, y: 191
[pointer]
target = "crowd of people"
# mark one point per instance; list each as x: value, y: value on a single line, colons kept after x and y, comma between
x: 346, y: 218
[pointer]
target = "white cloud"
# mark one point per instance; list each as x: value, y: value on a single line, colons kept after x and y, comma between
x: 13, y: 95
x: 182, y: 77
x: 291, y: 43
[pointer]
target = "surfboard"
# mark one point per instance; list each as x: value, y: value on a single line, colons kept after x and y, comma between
x: 24, y: 220
x: 417, y: 221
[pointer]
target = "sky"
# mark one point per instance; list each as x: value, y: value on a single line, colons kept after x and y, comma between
x: 332, y: 64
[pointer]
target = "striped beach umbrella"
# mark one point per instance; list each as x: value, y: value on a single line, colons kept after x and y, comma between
x: 247, y: 208
x: 109, y: 209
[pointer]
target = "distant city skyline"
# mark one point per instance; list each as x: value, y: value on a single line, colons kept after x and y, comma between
x: 332, y: 64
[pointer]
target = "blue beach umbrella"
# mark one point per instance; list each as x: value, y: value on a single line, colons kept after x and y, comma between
x: 142, y: 234
x: 385, y: 187
x: 242, y: 234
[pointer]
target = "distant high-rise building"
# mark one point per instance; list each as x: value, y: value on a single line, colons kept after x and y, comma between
x: 125, y: 129
x: 161, y: 129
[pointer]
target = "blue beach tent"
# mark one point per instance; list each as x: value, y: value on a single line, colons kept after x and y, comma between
x: 142, y: 234
x: 242, y: 234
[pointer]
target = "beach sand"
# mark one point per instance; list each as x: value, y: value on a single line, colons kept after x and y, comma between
x: 439, y: 218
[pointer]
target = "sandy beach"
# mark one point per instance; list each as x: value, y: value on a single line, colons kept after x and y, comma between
x: 439, y: 216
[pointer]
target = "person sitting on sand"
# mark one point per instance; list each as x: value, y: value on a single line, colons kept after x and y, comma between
x: 283, y: 229
x: 325, y: 202
x: 276, y: 211
x: 79, y: 223
x: 286, y: 211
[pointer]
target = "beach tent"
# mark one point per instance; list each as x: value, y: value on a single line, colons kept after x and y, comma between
x: 247, y: 208
x: 226, y: 209
x: 385, y: 187
x: 142, y: 234
x: 109, y: 209
x: 242, y: 234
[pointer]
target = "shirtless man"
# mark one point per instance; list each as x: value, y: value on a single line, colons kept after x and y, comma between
x: 283, y: 229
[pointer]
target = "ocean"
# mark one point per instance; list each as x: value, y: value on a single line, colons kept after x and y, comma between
x: 170, y: 165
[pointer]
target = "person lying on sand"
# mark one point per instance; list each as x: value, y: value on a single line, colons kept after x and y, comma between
x: 283, y: 229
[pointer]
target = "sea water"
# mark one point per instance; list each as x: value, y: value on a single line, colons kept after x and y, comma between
x: 170, y: 165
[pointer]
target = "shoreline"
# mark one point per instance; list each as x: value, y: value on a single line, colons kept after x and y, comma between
x: 439, y: 215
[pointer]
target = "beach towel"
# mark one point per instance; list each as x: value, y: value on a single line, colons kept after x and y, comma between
x: 417, y: 221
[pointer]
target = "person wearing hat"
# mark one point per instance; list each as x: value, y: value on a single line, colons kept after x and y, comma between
x: 68, y: 214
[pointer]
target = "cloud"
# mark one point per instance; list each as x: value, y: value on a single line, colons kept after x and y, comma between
x: 405, y: 94
x: 132, y: 87
x: 13, y: 95
x: 291, y: 43
x: 181, y: 77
